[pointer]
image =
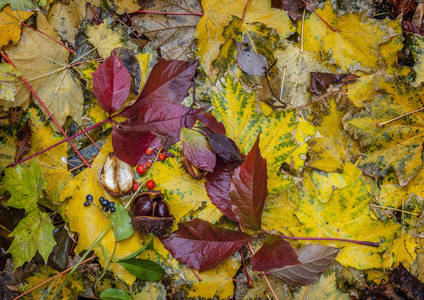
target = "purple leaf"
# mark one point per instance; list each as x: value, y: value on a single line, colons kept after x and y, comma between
x: 217, y: 186
x: 201, y: 245
x: 315, y: 260
x: 274, y: 253
x: 248, y: 189
x: 250, y: 62
x: 197, y: 149
x: 211, y: 123
x: 223, y: 146
x: 168, y: 81
x: 111, y: 84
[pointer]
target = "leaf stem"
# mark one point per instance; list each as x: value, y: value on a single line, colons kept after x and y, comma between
x: 244, y: 11
x: 47, y: 110
x: 29, y: 26
x: 262, y: 273
x: 169, y: 13
x: 327, y: 239
x: 313, y: 10
x: 50, y: 279
x: 249, y: 280
x: 57, y: 144
x: 397, y: 118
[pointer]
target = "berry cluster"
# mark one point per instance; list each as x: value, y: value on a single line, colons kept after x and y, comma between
x: 141, y: 169
x: 104, y: 203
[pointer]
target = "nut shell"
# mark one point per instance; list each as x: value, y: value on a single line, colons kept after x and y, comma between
x: 117, y: 176
x: 191, y: 169
x: 158, y: 226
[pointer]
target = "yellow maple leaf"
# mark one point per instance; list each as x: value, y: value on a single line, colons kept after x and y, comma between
x: 43, y: 64
x: 10, y: 25
x: 65, y: 19
x: 352, y: 41
x: 403, y: 250
x: 8, y: 76
x: 325, y: 288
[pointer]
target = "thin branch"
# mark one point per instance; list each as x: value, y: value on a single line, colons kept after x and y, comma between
x: 29, y: 26
x: 397, y: 118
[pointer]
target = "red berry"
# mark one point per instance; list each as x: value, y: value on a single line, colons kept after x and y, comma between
x: 148, y: 164
x: 141, y: 169
x: 135, y: 186
x: 150, y: 184
x: 149, y: 151
x: 162, y: 156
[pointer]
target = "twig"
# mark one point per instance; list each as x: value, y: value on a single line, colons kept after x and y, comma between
x: 47, y: 110
x: 249, y: 280
x: 397, y: 118
x: 307, y: 292
x: 50, y: 279
x: 197, y: 275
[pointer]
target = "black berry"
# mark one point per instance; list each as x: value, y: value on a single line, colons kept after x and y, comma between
x: 101, y: 199
x: 112, y: 209
x: 89, y: 197
x: 104, y: 203
x: 111, y: 204
x: 87, y: 203
x: 107, y: 208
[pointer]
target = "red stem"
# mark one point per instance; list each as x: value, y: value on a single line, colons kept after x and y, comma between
x: 84, y: 61
x: 327, y: 239
x: 57, y: 144
x: 313, y: 10
x: 249, y: 281
x: 244, y: 11
x: 169, y: 13
x: 47, y: 110
x: 29, y: 26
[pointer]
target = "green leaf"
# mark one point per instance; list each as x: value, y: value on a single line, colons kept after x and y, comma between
x: 147, y: 246
x: 121, y: 223
x: 143, y: 269
x: 26, y: 186
x: 115, y: 294
x: 33, y: 233
x: 25, y: 5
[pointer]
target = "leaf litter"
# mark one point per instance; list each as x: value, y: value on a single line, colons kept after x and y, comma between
x: 285, y: 177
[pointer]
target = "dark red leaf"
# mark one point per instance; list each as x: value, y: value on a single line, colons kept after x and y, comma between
x: 168, y: 81
x: 217, y: 186
x: 163, y: 119
x: 293, y: 7
x: 248, y: 189
x: 197, y: 149
x: 315, y: 260
x: 111, y: 84
x: 23, y: 140
x: 401, y: 7
x: 201, y: 245
x: 321, y: 81
x: 211, y: 123
x: 410, y: 285
x: 131, y: 146
x: 223, y: 146
x: 274, y: 253
x: 250, y: 62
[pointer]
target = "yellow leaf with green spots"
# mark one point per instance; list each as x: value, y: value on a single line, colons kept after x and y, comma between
x: 362, y: 90
x: 396, y: 145
x: 346, y: 216
x: 217, y: 15
x: 390, y: 49
x: 352, y: 41
x: 236, y: 109
x: 86, y: 71
x: 335, y: 146
x: 403, y: 250
x: 146, y: 59
x: 73, y: 287
x: 8, y: 75
x: 325, y: 288
x: 183, y: 194
x: 417, y: 51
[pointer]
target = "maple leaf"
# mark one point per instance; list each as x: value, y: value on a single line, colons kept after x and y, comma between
x: 8, y: 76
x: 43, y: 64
x: 248, y: 189
x: 396, y: 145
x: 11, y: 25
x: 33, y: 233
x: 403, y: 250
x: 201, y: 245
x: 171, y: 33
x: 352, y: 221
x: 66, y: 19
x: 348, y: 44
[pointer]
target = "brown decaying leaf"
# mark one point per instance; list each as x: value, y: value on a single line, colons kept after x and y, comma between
x: 315, y: 260
x: 402, y: 7
x: 402, y: 279
x: 411, y: 27
x: 93, y: 14
x: 383, y: 292
x: 201, y: 245
x: 321, y: 81
x: 23, y: 142
x: 250, y: 62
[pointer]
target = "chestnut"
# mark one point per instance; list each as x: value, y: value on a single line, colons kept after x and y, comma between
x: 117, y: 176
x: 151, y: 213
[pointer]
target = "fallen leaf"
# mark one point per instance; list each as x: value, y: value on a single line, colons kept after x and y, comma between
x: 211, y: 123
x: 43, y: 64
x: 8, y: 76
x: 401, y: 7
x: 274, y: 253
x: 223, y: 146
x: 314, y: 259
x: 325, y: 288
x: 65, y: 19
x: 197, y: 149
x: 403, y: 250
x: 23, y: 141
x: 321, y: 81
x: 10, y: 25
x: 201, y: 245
x: 25, y: 5
x: 250, y: 62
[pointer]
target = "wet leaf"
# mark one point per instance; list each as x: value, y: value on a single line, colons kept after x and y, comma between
x: 23, y: 140
x: 201, y: 245
x: 33, y: 233
x: 224, y: 147
x: 321, y: 81
x: 197, y: 149
x: 248, y: 189
x: 274, y: 253
x: 314, y: 259
x: 121, y: 223
x: 10, y: 25
x: 111, y: 84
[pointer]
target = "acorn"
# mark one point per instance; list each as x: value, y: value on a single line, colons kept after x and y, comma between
x: 191, y: 169
x: 117, y: 176
x: 151, y: 213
